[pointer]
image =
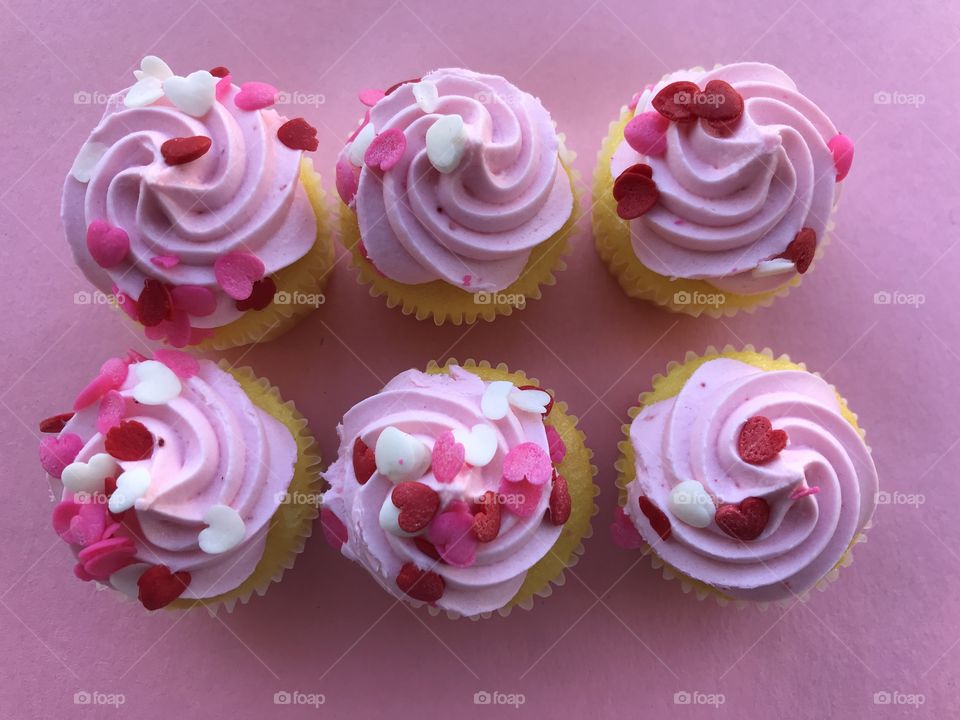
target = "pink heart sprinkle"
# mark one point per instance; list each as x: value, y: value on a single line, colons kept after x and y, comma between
x: 194, y: 299
x: 255, y: 96
x: 520, y: 498
x: 801, y: 492
x: 447, y: 458
x: 236, y: 273
x: 348, y: 179
x: 165, y: 261
x: 111, y: 411
x: 647, y: 133
x: 450, y: 533
x: 527, y: 461
x: 842, y: 148
x: 386, y: 149
x: 113, y: 373
x: 558, y: 448
x: 80, y: 524
x: 623, y: 533
x: 104, y: 558
x: 371, y: 97
x: 108, y: 245
x: 223, y: 87
x: 184, y: 365
x: 334, y: 531
x: 58, y: 452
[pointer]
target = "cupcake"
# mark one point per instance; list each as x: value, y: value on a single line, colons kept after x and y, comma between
x: 714, y: 190
x: 747, y: 475
x: 192, y: 206
x: 181, y: 482
x: 457, y: 196
x: 465, y: 488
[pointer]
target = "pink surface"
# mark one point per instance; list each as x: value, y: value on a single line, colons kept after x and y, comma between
x: 616, y: 640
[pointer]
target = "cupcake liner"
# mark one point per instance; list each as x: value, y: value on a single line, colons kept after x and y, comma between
x: 292, y: 523
x: 613, y: 241
x: 668, y: 385
x: 444, y: 302
x: 576, y: 468
x: 307, y: 276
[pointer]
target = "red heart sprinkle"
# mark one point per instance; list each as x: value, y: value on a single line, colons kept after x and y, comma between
x: 420, y: 584
x: 427, y: 548
x: 298, y: 134
x: 402, y: 82
x: 159, y: 587
x: 154, y: 304
x: 802, y: 249
x: 486, y: 521
x: 658, y: 520
x: 220, y: 71
x: 129, y: 441
x: 418, y: 503
x: 675, y: 101
x: 759, y: 442
x: 638, y: 169
x: 635, y: 194
x: 560, y: 502
x: 179, y: 151
x: 745, y: 521
x: 549, y: 407
x: 261, y: 296
x: 55, y: 423
x: 364, y: 461
x: 718, y: 101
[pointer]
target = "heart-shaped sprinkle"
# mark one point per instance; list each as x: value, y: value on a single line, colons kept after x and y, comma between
x: 418, y: 503
x: 531, y: 399
x: 100, y: 560
x: 521, y: 498
x: 758, y: 442
x: 194, y: 299
x: 420, y: 584
x: 691, y: 504
x: 623, y: 532
x: 149, y: 86
x: 451, y: 535
x: 446, y: 141
x: 719, y: 101
x: 558, y: 448
x: 224, y: 87
x: 400, y: 457
x: 56, y: 453
x: 364, y: 461
x: 359, y: 145
x: 193, y: 94
x: 494, y: 403
x: 87, y: 160
x: 386, y: 149
x: 108, y: 245
x: 263, y: 293
x: 389, y: 519
x: 347, y: 179
x: 157, y: 384
x: 79, y: 524
x: 549, y: 405
x: 236, y: 272
x: 131, y: 486
x: 55, y: 423
x: 447, y: 457
x: 129, y: 441
x: 110, y: 412
x: 154, y: 304
x: 479, y: 444
x: 802, y: 249
x: 527, y: 461
x: 371, y: 96
x: 113, y: 373
x: 635, y: 193
x: 647, y: 133
x: 255, y: 96
x: 125, y: 579
x: 656, y: 517
x: 803, y: 491
x: 165, y: 262
x: 842, y: 148
x: 298, y: 134
x: 776, y: 266
x: 225, y: 530
x: 561, y: 504
x: 745, y: 521
x: 184, y: 365
x: 158, y: 586
x: 182, y: 150
x: 675, y: 101
x: 427, y: 96
x: 334, y: 531
x: 426, y: 547
x: 89, y: 477
x: 220, y: 71
x: 486, y: 520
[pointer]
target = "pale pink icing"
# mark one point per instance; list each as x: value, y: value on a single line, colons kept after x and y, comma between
x: 243, y: 195
x: 508, y: 194
x: 728, y: 203
x: 218, y: 449
x: 693, y: 436
x: 426, y: 406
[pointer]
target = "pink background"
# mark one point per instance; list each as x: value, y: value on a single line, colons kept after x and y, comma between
x: 616, y: 640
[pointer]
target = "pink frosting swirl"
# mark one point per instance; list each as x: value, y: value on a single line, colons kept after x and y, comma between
x: 212, y: 446
x: 473, y: 227
x: 728, y: 203
x: 243, y: 195
x: 426, y: 406
x: 694, y: 435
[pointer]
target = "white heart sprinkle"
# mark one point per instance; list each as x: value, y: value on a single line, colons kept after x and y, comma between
x: 494, y: 404
x: 400, y: 456
x: 479, y: 444
x: 193, y: 94
x: 86, y: 161
x: 152, y: 66
x: 691, y: 504
x: 226, y: 530
x: 531, y: 400
x: 88, y: 477
x: 426, y: 94
x: 360, y: 144
x: 145, y: 91
x: 125, y: 579
x: 157, y: 384
x: 777, y: 266
x: 390, y: 519
x: 446, y: 142
x: 131, y: 486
